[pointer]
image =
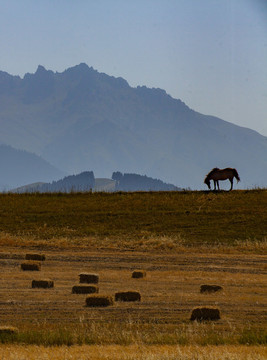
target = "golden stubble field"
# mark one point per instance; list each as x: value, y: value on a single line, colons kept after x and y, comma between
x: 133, y: 352
x: 169, y: 292
x: 159, y: 326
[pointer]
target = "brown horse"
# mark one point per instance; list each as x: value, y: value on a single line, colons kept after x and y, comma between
x: 221, y: 174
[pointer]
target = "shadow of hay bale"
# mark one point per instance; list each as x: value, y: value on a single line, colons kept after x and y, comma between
x: 99, y: 300
x: 210, y: 288
x: 31, y: 266
x: 205, y: 313
x: 127, y: 296
x: 38, y: 257
x: 86, y: 278
x: 85, y: 289
x: 44, y: 284
x: 138, y: 274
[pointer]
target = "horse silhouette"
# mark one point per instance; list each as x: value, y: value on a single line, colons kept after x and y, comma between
x: 221, y: 174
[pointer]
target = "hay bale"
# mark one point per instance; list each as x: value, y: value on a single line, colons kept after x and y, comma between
x: 85, y: 289
x: 86, y: 278
x: 8, y: 330
x: 210, y: 288
x: 44, y: 284
x: 128, y: 296
x: 138, y: 274
x: 205, y: 313
x: 99, y: 300
x: 38, y: 257
x: 31, y: 266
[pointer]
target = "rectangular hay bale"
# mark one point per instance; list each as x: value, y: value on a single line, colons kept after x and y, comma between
x: 205, y: 313
x: 87, y: 278
x: 44, y: 284
x: 31, y: 266
x: 38, y: 257
x: 210, y: 288
x: 128, y: 296
x: 138, y: 274
x: 5, y: 329
x: 85, y: 289
x: 99, y: 300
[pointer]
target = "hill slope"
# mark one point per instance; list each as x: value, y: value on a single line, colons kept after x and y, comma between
x: 81, y: 119
x: 20, y: 167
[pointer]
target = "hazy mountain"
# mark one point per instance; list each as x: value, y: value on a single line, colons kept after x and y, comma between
x: 19, y: 167
x: 81, y: 119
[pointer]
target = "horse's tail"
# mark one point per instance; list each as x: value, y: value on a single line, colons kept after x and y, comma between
x: 236, y: 175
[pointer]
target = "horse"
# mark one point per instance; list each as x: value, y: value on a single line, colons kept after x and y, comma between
x: 221, y: 174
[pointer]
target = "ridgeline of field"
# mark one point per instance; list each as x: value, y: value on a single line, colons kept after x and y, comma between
x: 140, y: 219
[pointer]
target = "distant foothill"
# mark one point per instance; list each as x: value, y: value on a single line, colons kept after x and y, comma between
x: 86, y: 181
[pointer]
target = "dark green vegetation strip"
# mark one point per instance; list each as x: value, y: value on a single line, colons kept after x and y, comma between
x: 126, y: 335
x: 198, y: 217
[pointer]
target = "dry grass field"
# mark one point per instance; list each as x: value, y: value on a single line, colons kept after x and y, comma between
x: 132, y: 352
x: 137, y: 220
x: 181, y: 240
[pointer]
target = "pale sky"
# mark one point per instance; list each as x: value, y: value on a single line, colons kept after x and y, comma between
x: 211, y: 54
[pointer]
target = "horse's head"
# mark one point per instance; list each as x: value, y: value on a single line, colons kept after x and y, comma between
x: 207, y: 182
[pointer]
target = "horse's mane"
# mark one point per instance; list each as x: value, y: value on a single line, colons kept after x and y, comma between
x: 212, y: 171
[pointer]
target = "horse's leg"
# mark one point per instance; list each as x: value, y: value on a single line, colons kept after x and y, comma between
x: 231, y: 181
x: 218, y: 185
x: 214, y: 181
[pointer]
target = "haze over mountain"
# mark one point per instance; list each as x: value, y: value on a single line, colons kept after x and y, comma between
x: 20, y: 167
x: 81, y: 119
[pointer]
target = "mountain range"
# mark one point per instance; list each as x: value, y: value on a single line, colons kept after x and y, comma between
x: 83, y: 120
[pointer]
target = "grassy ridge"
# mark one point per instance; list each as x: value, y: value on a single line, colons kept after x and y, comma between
x: 196, y: 217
